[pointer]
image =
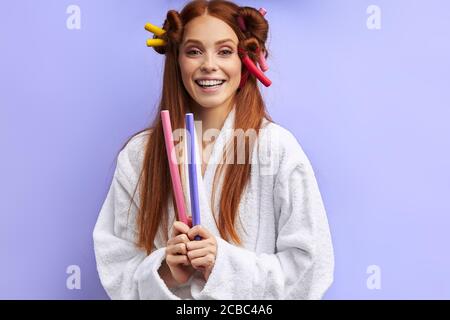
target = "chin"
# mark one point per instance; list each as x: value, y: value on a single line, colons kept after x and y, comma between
x: 211, y: 104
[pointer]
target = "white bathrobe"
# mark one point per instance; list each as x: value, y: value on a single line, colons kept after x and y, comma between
x: 286, y: 250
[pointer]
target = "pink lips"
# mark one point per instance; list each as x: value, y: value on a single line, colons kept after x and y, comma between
x: 210, y: 90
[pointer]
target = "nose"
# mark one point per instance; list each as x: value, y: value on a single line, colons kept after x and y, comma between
x: 209, y: 64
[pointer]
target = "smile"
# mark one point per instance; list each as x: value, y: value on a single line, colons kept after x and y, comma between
x: 209, y: 83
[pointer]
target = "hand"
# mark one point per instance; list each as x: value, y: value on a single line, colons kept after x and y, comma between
x: 202, y: 253
x: 176, y: 259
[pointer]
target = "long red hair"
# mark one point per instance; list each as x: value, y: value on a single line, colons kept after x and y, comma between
x: 154, y: 180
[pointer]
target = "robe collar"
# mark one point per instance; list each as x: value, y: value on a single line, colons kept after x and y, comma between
x: 205, y: 184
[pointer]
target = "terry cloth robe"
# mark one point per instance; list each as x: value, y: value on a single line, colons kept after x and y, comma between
x: 286, y: 250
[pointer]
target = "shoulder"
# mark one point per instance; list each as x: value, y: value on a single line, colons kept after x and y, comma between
x: 279, y: 151
x: 130, y: 158
x: 283, y: 136
x: 282, y: 145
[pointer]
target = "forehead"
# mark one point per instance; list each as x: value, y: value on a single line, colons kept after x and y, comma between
x: 208, y: 30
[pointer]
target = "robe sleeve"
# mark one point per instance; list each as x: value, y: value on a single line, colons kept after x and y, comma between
x: 303, y: 263
x: 126, y: 271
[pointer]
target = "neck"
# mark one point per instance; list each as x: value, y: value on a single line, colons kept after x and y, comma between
x: 213, y: 118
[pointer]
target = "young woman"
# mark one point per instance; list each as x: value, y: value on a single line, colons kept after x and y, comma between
x: 264, y: 232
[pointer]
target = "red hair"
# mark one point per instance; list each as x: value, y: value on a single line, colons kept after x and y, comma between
x: 154, y: 180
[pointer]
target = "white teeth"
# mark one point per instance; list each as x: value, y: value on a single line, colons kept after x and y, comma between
x: 209, y: 82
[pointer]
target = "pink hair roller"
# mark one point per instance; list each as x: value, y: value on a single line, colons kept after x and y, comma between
x: 251, y: 67
x: 262, y: 61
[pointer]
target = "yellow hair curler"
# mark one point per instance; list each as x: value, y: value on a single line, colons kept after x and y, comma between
x: 155, y: 42
x: 156, y: 31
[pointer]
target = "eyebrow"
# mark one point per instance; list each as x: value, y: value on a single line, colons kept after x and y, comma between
x: 217, y: 42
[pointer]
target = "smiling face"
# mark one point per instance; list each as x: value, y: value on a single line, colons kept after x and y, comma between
x: 209, y: 63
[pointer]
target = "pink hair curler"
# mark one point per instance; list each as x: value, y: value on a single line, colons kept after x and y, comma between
x: 253, y: 69
x: 262, y: 60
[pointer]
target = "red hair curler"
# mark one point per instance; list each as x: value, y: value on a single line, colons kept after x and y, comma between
x: 253, y: 69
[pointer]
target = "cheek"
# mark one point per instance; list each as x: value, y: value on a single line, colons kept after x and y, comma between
x: 187, y: 68
x: 233, y: 69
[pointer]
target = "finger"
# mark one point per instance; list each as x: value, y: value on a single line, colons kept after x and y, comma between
x: 181, y: 238
x: 177, y: 249
x: 205, y: 262
x: 194, y: 245
x: 190, y: 221
x: 179, y: 228
x: 198, y: 230
x: 194, y: 254
x: 176, y: 260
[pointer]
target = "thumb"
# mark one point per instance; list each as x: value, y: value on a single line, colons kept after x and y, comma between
x: 190, y: 221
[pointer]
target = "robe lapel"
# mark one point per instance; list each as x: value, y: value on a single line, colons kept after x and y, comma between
x: 206, y: 182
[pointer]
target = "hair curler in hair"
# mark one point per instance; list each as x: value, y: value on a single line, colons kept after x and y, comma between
x: 155, y: 43
x: 154, y: 29
x: 174, y: 173
x: 157, y: 31
x: 260, y: 53
x: 253, y: 69
x: 262, y: 60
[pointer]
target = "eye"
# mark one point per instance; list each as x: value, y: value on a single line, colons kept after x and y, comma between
x: 193, y: 52
x: 226, y: 52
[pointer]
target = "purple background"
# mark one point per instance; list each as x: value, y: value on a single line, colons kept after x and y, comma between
x: 370, y: 108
